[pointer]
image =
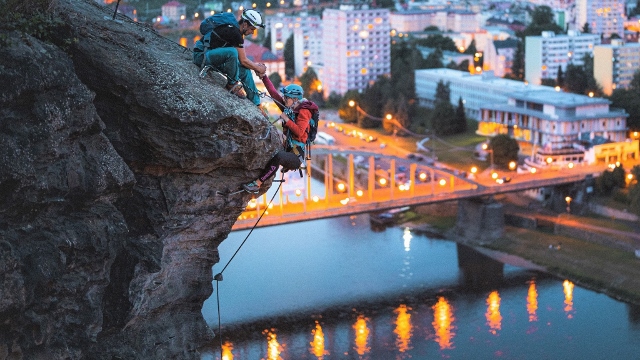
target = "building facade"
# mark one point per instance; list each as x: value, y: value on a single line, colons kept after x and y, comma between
x: 545, y: 54
x: 356, y: 48
x: 559, y: 125
x: 615, y: 64
x: 174, y: 11
x: 307, y: 44
x: 445, y: 19
x: 604, y: 17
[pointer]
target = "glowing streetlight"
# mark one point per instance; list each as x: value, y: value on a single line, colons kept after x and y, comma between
x: 474, y: 169
x: 512, y: 165
x: 533, y: 170
x: 359, y: 193
x: 485, y: 147
x: 568, y: 200
x: 382, y: 181
x: 494, y: 175
x: 341, y: 187
x: 442, y: 182
x: 549, y: 160
x: 315, y: 198
x: 298, y: 192
x: 570, y: 165
x: 422, y: 176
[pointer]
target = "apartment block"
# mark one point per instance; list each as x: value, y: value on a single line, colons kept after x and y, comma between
x: 604, y: 17
x: 615, y: 64
x: 282, y: 26
x: 355, y: 47
x: 445, y: 19
x: 545, y: 54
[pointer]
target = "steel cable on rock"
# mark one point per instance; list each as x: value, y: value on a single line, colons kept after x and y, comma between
x: 218, y: 276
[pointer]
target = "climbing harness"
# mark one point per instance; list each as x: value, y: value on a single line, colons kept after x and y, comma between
x: 218, y: 276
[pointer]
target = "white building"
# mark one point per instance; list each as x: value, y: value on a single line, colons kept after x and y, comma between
x: 307, y: 44
x: 281, y: 27
x: 603, y: 16
x: 545, y: 54
x: 355, y: 47
x: 174, y: 11
x: 615, y: 64
x: 445, y: 19
x: 505, y: 52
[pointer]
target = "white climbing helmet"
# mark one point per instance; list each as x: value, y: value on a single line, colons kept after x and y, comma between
x: 253, y: 17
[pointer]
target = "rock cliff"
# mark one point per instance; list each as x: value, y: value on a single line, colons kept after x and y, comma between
x: 112, y: 151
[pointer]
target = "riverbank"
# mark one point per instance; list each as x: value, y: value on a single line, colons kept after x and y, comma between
x: 601, y: 267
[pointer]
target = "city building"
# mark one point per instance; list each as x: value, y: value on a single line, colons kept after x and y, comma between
x: 174, y: 11
x: 307, y: 45
x: 615, y: 64
x: 444, y: 19
x: 355, y: 48
x: 560, y: 126
x: 260, y: 54
x: 545, y: 54
x: 475, y: 90
x: 505, y: 52
x: 604, y: 17
x: 282, y: 26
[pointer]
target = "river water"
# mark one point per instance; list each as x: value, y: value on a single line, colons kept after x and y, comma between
x: 338, y: 289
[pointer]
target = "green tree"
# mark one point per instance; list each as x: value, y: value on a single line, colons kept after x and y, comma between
x: 309, y: 82
x: 442, y: 119
x: 542, y: 20
x: 349, y: 114
x: 333, y: 101
x: 460, y: 117
x: 276, y: 79
x: 267, y: 41
x: 629, y: 100
x: 443, y: 92
x: 471, y: 49
x: 289, y: 61
x: 560, y: 77
x: 438, y: 41
x: 576, y: 79
x: 505, y: 149
x: 517, y: 68
x: 586, y: 29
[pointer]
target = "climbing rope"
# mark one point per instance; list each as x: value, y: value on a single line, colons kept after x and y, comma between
x: 218, y: 276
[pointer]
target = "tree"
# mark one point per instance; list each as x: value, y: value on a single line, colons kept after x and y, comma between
x: 349, y: 114
x: 443, y: 92
x: 267, y: 41
x: 629, y: 100
x: 289, y: 60
x: 576, y: 79
x: 460, y: 117
x: 276, y: 79
x: 542, y: 20
x: 471, y: 49
x: 586, y: 29
x: 560, y: 77
x: 438, y: 41
x: 505, y: 149
x: 442, y: 119
x: 309, y: 82
x: 517, y: 68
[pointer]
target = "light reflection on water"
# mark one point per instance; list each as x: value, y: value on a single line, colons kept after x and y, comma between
x: 345, y: 293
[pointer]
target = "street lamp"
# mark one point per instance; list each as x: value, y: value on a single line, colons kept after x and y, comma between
x: 568, y: 200
x: 485, y: 147
x: 352, y: 104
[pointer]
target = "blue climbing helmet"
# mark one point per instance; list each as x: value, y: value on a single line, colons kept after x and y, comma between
x: 293, y: 91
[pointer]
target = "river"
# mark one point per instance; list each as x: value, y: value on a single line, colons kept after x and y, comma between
x: 336, y: 289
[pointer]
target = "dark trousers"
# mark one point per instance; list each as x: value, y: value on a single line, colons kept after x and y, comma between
x: 288, y: 160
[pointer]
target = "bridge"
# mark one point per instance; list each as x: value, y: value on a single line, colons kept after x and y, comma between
x: 353, y: 195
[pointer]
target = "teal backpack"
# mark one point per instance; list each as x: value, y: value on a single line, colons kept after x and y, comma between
x: 207, y: 27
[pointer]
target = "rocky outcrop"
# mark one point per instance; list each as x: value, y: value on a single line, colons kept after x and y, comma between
x: 112, y: 151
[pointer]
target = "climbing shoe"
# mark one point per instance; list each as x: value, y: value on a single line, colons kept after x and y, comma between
x: 251, y: 187
x: 237, y: 90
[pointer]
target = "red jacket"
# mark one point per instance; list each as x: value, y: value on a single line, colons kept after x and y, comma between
x: 299, y: 127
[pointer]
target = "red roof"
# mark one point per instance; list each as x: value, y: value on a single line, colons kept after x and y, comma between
x: 259, y: 53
